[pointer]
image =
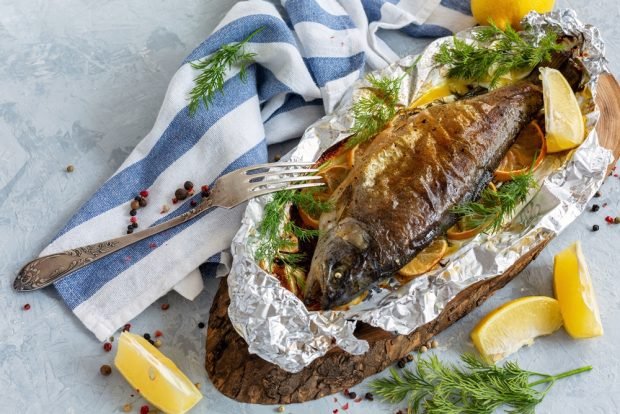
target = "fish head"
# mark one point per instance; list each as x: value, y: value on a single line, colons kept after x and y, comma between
x: 342, y: 265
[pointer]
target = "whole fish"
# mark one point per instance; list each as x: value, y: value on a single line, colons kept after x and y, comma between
x: 401, y: 194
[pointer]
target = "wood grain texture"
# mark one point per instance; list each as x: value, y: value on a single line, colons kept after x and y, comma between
x: 248, y: 378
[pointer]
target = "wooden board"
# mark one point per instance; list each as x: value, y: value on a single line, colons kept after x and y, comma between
x: 248, y: 378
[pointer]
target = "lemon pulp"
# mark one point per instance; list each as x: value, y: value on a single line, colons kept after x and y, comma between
x: 515, y: 324
x: 507, y: 12
x: 574, y: 290
x: 156, y: 377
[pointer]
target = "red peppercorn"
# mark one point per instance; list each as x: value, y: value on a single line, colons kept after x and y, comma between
x: 133, y: 219
x: 144, y: 193
x: 204, y: 188
x: 107, y: 347
x: 27, y: 306
x: 193, y: 203
x: 165, y: 306
x: 144, y: 409
x: 174, y: 201
x: 609, y: 219
x: 346, y: 406
x: 158, y: 333
x: 127, y: 327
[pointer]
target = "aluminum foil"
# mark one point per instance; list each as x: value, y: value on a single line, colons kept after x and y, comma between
x: 276, y: 324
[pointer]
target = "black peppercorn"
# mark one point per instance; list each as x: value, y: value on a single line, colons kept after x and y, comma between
x: 369, y: 396
x: 180, y: 194
x: 401, y: 363
x: 130, y: 226
x: 352, y: 395
x: 188, y: 185
x: 204, y: 193
x: 151, y: 342
x: 193, y: 203
x: 105, y: 370
x: 137, y: 198
x: 595, y: 227
x: 595, y: 207
x: 147, y: 336
x: 133, y: 212
x: 134, y: 225
x: 597, y: 194
x: 129, y: 231
x: 409, y: 357
x: 142, y: 202
x: 201, y: 325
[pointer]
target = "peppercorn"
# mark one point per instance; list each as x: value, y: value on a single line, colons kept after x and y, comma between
x: 133, y: 212
x: 147, y: 336
x: 180, y: 194
x: 597, y: 194
x: 281, y: 409
x: 616, y: 220
x: 144, y: 193
x: 158, y: 333
x: 127, y: 327
x: 201, y: 325
x: 205, y: 194
x: 150, y: 341
x: 609, y: 219
x: 204, y: 188
x: 595, y: 227
x: 105, y: 370
x: 70, y: 168
x: 369, y: 396
x: 144, y: 409
x: 277, y: 157
x: 134, y: 205
x: 193, y: 203
x: 127, y: 408
x: 27, y: 306
x: 174, y: 201
x: 157, y: 343
x: 129, y: 231
x: 107, y: 347
x: 142, y: 202
x: 134, y: 225
x: 595, y: 208
x: 188, y: 185
x: 401, y: 363
x: 352, y: 395
x: 165, y: 306
x: 409, y: 357
x: 423, y: 349
x: 434, y: 344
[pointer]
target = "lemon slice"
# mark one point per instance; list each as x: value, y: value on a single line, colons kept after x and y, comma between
x: 160, y: 382
x: 563, y: 119
x: 515, y: 324
x: 425, y: 260
x: 573, y: 289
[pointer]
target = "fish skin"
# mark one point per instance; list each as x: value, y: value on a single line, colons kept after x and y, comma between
x: 400, y: 195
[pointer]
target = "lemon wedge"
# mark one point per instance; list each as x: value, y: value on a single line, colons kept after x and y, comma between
x: 515, y: 324
x: 573, y: 289
x: 563, y: 119
x: 160, y: 382
x: 425, y: 260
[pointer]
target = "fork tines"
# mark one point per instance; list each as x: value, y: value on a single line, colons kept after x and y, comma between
x: 267, y: 178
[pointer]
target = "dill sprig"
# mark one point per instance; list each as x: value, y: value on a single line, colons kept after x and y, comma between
x: 478, y: 388
x: 496, y: 53
x: 275, y: 224
x: 372, y: 112
x: 213, y: 68
x: 493, y: 206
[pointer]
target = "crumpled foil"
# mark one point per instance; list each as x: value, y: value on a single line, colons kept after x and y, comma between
x: 276, y: 324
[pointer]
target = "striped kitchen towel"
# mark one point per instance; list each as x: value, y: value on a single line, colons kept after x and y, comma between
x: 307, y: 55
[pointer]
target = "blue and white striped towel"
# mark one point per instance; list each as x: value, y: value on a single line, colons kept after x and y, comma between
x: 307, y: 56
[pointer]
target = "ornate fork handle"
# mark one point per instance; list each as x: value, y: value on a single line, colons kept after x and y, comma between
x: 46, y: 270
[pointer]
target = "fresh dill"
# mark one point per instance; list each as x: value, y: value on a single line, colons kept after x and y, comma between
x: 493, y: 206
x: 275, y: 225
x: 496, y: 53
x: 479, y: 388
x: 372, y: 112
x: 214, y: 68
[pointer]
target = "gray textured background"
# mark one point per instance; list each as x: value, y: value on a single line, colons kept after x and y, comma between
x: 81, y: 82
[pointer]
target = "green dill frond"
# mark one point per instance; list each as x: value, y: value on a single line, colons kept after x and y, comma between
x: 495, y: 53
x: 477, y: 388
x: 372, y: 112
x: 214, y: 68
x: 494, y: 206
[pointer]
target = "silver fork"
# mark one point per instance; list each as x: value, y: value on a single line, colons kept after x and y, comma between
x: 228, y: 191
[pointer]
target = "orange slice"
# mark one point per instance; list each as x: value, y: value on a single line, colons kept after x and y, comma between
x: 425, y: 260
x: 528, y: 151
x: 462, y: 230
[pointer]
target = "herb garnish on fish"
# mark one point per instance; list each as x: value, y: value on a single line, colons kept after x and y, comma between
x: 371, y: 113
x: 497, y: 53
x: 275, y: 224
x: 437, y: 387
x: 494, y: 206
x: 213, y: 68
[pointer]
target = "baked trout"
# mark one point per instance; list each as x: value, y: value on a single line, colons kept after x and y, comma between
x: 400, y: 195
